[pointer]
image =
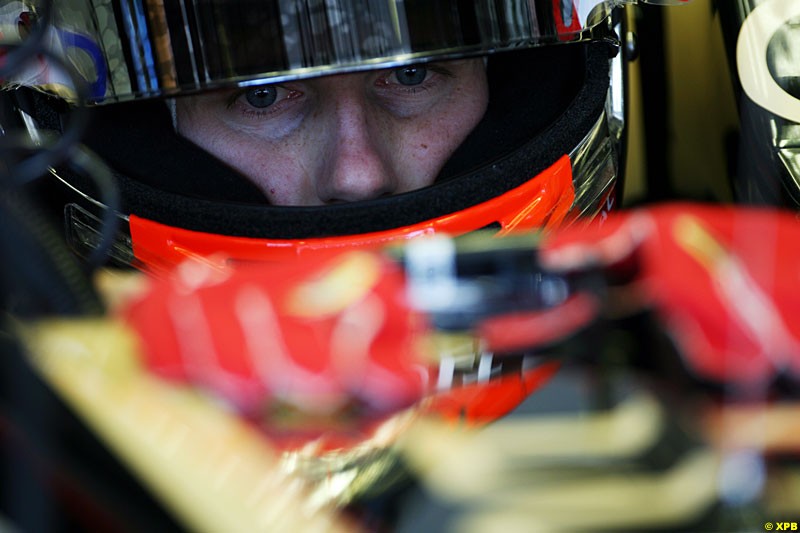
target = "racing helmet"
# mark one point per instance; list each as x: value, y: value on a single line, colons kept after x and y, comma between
x: 761, y: 39
x: 546, y: 151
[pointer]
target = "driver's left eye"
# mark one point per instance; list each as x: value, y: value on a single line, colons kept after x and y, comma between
x: 412, y: 75
x: 261, y: 97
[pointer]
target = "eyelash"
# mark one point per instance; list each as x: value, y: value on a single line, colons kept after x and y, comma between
x: 250, y: 111
x: 426, y: 84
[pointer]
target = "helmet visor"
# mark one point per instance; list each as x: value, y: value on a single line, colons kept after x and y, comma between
x: 145, y: 48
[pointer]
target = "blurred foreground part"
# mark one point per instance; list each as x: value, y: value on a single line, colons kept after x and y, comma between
x: 209, y: 469
x: 650, y: 366
x: 607, y: 451
x: 675, y: 407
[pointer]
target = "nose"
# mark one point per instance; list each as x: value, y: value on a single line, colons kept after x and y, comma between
x: 358, y: 158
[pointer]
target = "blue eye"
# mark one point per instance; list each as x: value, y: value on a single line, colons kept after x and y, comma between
x: 261, y: 97
x: 411, y: 75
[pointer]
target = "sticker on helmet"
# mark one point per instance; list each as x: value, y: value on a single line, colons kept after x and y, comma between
x: 754, y: 54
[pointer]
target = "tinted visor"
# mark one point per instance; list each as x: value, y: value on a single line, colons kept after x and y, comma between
x: 146, y: 48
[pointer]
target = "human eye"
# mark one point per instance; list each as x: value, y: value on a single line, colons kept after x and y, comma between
x: 261, y: 97
x: 262, y: 100
x: 410, y: 75
x: 410, y: 78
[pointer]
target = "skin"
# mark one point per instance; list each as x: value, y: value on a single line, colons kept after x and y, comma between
x: 341, y: 138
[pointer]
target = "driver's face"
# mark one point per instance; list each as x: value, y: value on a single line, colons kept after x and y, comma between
x: 341, y: 138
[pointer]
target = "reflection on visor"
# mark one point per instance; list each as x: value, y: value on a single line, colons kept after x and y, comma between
x: 163, y: 47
